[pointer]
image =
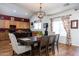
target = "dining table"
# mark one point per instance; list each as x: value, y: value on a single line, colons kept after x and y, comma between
x: 34, y: 42
x: 31, y: 41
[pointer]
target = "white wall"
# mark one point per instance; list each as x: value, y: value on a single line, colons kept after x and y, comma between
x: 74, y: 32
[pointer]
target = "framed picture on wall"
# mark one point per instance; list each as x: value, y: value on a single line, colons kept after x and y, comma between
x: 74, y: 24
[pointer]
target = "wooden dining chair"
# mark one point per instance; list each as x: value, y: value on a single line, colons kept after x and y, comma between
x: 43, y: 45
x: 34, y: 45
x: 51, y: 45
x: 57, y: 41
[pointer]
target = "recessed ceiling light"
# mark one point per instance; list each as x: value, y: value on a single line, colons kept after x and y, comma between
x: 25, y: 13
x: 14, y: 11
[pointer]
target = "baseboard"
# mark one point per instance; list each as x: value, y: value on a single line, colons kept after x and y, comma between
x: 71, y: 45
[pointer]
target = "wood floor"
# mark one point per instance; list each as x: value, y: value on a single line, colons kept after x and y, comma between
x: 5, y: 48
x: 64, y: 50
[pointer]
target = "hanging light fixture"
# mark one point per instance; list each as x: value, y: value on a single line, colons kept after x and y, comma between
x: 40, y: 13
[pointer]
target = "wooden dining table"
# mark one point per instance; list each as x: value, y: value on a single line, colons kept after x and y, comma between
x: 31, y: 41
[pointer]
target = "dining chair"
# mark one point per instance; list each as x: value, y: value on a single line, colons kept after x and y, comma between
x: 43, y: 45
x: 57, y: 41
x: 52, y: 43
x: 17, y: 48
x: 34, y: 45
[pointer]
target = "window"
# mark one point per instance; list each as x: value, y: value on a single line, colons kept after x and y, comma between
x: 37, y: 25
x: 58, y: 27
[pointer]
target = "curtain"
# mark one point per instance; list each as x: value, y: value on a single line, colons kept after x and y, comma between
x: 66, y: 24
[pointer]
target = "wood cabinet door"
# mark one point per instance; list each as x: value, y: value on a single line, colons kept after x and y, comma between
x: 2, y: 24
x: 22, y: 25
x: 6, y: 24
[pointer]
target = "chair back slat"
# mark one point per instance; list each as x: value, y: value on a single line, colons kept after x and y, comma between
x: 52, y: 39
x: 57, y: 37
x: 44, y: 41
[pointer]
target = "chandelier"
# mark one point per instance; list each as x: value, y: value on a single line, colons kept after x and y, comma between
x: 40, y: 13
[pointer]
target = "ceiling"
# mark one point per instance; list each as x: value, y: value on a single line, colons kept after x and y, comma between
x: 26, y: 10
